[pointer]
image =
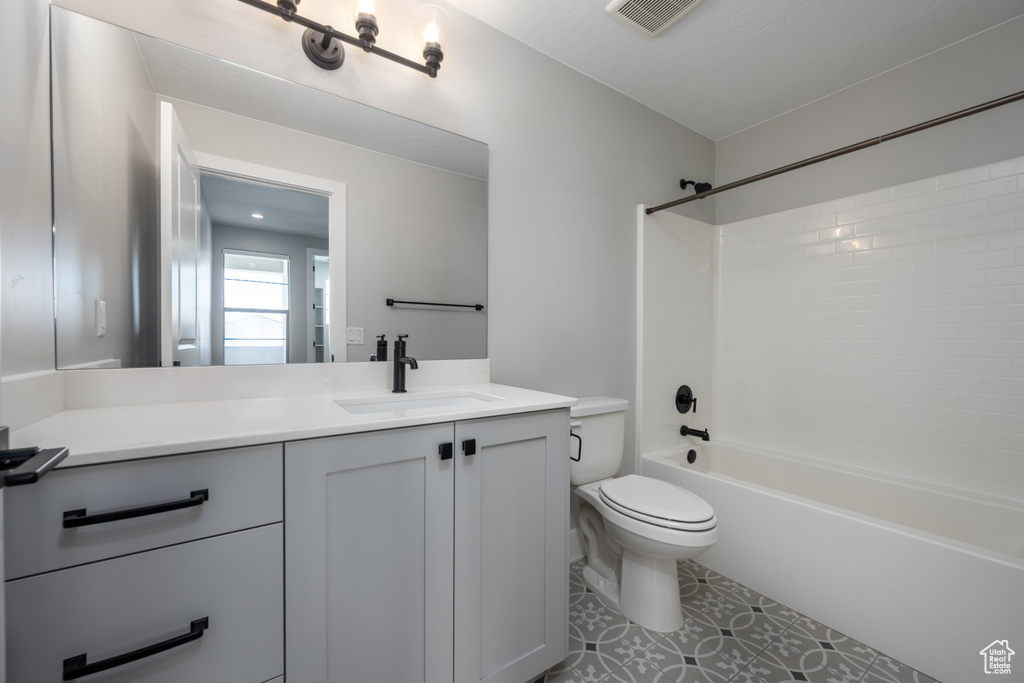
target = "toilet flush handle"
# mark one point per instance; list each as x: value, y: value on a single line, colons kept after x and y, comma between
x: 576, y: 424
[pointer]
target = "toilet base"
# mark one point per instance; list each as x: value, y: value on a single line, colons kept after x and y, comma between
x: 646, y: 594
x: 649, y: 592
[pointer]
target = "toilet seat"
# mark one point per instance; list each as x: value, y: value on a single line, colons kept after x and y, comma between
x: 657, y: 502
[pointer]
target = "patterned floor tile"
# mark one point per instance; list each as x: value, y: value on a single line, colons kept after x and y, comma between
x: 888, y: 670
x: 836, y: 648
x: 695, y: 571
x: 711, y: 668
x: 732, y: 634
x: 763, y: 604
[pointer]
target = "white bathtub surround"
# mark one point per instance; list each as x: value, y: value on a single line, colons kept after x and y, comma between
x: 884, y: 330
x: 877, y: 341
x: 675, y: 319
x: 915, y: 595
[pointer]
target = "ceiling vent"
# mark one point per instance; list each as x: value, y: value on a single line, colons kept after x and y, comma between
x: 649, y: 17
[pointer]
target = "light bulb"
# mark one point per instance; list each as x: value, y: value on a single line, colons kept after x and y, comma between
x: 431, y: 24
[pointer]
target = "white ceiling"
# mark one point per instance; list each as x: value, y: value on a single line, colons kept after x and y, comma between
x: 731, y: 64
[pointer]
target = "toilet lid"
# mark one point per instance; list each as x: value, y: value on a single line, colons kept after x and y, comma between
x: 658, y: 502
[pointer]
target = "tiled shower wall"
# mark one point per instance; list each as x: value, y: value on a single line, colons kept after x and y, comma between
x: 676, y: 265
x: 884, y: 330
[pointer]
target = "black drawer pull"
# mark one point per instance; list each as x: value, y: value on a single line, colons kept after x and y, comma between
x: 76, y: 667
x: 77, y: 518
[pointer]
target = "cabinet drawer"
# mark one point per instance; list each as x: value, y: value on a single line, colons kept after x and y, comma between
x: 243, y: 490
x: 107, y: 609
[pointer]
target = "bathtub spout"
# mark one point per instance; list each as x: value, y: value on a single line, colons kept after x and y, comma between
x: 686, y: 431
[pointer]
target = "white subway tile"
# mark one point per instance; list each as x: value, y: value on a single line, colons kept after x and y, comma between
x: 892, y: 270
x: 1011, y: 202
x: 934, y: 200
x: 971, y: 175
x: 873, y: 226
x: 1005, y: 276
x: 913, y: 251
x: 893, y: 239
x: 986, y: 296
x: 864, y: 213
x: 858, y: 244
x: 1005, y: 240
x: 816, y: 250
x: 996, y: 223
x: 1008, y: 167
x: 961, y: 212
x: 988, y: 259
x: 915, y: 219
x: 992, y: 188
x: 895, y: 207
x: 872, y: 257
x: 960, y: 245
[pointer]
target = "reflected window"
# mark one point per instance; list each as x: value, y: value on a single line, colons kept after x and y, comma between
x: 255, y: 308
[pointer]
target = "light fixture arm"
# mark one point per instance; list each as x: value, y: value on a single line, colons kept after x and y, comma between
x: 286, y: 12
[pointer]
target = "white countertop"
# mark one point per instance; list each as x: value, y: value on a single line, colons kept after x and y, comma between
x: 110, y: 434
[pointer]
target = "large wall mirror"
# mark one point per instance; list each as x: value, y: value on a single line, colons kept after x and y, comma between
x: 207, y: 214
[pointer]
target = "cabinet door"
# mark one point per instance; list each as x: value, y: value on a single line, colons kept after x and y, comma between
x: 511, y: 529
x: 369, y: 555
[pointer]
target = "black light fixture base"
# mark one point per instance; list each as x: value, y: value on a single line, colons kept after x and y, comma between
x: 433, y: 56
x: 329, y: 57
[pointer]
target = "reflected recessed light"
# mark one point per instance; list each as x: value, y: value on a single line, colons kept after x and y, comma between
x: 257, y: 215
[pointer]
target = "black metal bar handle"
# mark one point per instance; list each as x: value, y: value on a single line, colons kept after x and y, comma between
x: 34, y: 467
x: 446, y: 450
x: 392, y: 302
x: 76, y: 667
x: 80, y: 517
x: 469, y: 447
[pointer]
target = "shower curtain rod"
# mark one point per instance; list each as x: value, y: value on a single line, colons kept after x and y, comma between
x: 870, y: 142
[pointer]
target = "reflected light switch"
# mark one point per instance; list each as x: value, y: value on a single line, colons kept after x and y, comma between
x: 354, y: 335
x: 101, y: 317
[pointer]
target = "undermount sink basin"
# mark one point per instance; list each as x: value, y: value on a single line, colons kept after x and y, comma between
x: 400, y: 402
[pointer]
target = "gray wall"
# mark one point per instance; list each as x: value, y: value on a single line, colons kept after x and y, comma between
x: 105, y: 198
x: 268, y: 242
x: 984, y: 67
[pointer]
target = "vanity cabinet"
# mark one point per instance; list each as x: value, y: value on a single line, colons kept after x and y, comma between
x: 177, y: 558
x: 433, y: 553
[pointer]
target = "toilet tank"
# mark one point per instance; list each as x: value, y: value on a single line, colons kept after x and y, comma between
x: 600, y: 424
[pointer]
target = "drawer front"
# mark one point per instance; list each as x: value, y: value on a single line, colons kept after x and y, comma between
x: 107, y: 609
x: 243, y: 490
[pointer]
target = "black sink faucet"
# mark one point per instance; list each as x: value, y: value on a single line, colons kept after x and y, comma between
x: 382, y: 349
x: 401, y: 360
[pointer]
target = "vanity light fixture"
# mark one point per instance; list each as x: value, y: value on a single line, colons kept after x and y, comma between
x: 323, y: 45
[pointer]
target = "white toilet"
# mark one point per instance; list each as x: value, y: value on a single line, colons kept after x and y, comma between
x: 634, y: 528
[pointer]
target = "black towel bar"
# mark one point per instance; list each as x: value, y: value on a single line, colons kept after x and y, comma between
x: 392, y: 302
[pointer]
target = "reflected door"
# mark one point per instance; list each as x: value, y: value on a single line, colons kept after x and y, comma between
x: 179, y: 243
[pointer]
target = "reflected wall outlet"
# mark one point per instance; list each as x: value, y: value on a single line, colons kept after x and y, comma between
x: 101, y: 317
x: 354, y: 335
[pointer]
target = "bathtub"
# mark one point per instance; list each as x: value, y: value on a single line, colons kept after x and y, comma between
x: 928, y: 576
